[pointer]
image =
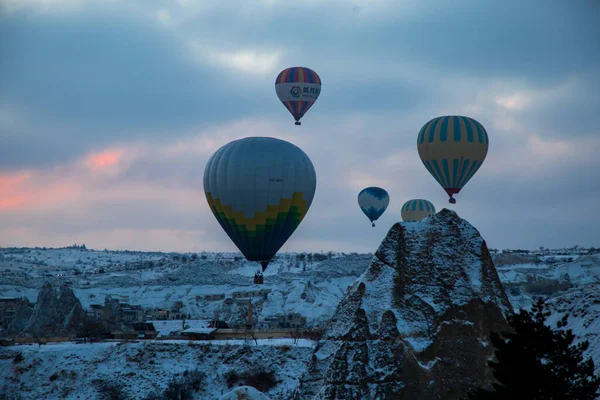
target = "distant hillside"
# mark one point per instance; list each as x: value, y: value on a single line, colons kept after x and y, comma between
x: 310, y: 284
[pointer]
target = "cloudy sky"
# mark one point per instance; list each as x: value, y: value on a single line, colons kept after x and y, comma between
x: 110, y: 109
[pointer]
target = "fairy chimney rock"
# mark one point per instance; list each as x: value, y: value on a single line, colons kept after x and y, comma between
x: 416, y: 324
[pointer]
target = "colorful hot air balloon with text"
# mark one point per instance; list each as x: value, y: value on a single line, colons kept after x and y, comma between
x: 416, y: 209
x: 373, y: 201
x: 452, y: 149
x: 298, y: 88
x: 259, y: 189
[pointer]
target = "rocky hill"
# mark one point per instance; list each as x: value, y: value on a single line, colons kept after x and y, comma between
x: 57, y: 313
x: 416, y: 324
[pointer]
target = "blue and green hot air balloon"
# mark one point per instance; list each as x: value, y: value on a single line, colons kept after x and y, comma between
x: 259, y: 189
x: 373, y: 201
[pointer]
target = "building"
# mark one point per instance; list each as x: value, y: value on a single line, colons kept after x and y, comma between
x: 120, y: 298
x: 279, y: 321
x: 264, y: 293
x: 127, y: 313
x: 95, y: 312
x: 190, y: 328
x: 177, y: 312
x: 141, y: 330
x: 157, y: 314
x: 166, y: 327
x: 199, y: 333
x: 211, y: 297
x: 145, y: 330
x: 131, y: 314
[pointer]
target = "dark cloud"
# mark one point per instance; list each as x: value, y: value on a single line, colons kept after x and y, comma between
x: 94, y: 81
x: 83, y: 82
x: 568, y: 117
x: 538, y: 40
x: 90, y: 80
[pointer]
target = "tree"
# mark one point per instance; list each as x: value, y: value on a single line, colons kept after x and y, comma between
x: 249, y: 334
x: 296, y: 333
x: 91, y: 329
x: 536, y: 362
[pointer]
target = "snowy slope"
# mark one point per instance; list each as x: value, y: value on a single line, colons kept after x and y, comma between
x: 579, y: 296
x: 583, y: 270
x: 76, y: 371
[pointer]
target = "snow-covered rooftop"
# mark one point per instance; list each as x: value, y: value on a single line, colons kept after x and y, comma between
x: 205, y: 331
x: 166, y: 327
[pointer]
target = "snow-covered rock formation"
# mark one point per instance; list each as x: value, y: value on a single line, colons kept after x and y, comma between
x: 416, y: 323
x: 22, y: 313
x: 57, y: 312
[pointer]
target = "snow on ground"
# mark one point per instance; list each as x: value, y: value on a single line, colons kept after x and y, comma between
x: 295, y: 284
x: 246, y: 393
x: 158, y: 280
x: 582, y: 308
x: 292, y: 284
x: 584, y: 270
x: 75, y: 371
x: 165, y: 327
x: 275, y: 267
x: 553, y: 257
x: 580, y: 301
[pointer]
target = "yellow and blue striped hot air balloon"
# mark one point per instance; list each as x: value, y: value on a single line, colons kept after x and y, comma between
x: 259, y: 189
x: 452, y: 149
x: 416, y: 209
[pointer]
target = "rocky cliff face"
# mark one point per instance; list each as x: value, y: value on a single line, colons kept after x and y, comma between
x: 23, y: 312
x: 57, y: 312
x: 416, y: 324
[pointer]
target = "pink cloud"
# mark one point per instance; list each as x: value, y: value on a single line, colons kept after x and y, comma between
x: 50, y: 188
x: 65, y: 184
x: 21, y: 191
x: 108, y: 158
x: 11, y: 193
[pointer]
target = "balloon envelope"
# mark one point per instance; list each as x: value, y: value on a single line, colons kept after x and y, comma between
x: 417, y: 209
x: 259, y: 189
x: 452, y: 149
x: 373, y: 201
x: 298, y: 88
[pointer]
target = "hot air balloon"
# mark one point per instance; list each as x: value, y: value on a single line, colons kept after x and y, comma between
x: 452, y: 149
x: 298, y: 88
x: 373, y: 201
x: 417, y: 209
x: 259, y: 189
